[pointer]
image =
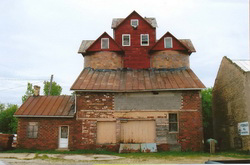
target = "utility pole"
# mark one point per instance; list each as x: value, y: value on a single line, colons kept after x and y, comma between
x: 50, y: 85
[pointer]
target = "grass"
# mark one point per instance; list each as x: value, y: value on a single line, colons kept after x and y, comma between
x: 168, y: 154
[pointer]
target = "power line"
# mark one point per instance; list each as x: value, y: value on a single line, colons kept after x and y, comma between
x: 18, y: 86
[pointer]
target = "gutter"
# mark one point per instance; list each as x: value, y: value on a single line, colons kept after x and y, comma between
x: 147, y: 90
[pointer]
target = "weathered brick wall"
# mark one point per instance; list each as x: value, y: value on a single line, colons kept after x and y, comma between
x: 94, y: 107
x: 6, y: 141
x: 48, y: 133
x: 104, y: 60
x: 229, y: 105
x: 169, y: 59
x: 190, y: 122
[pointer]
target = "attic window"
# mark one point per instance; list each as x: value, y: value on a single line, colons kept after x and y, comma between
x: 134, y: 23
x: 144, y: 39
x: 126, y: 40
x: 168, y: 43
x: 104, y: 43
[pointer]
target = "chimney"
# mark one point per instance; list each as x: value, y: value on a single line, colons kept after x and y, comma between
x: 36, y: 90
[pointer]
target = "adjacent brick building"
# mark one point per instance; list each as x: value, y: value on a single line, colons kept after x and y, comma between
x: 133, y: 89
x: 231, y: 106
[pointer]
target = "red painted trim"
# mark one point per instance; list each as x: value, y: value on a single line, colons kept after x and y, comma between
x: 161, y: 47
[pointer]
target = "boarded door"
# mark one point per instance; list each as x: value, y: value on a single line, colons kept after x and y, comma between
x: 106, y: 132
x: 138, y: 132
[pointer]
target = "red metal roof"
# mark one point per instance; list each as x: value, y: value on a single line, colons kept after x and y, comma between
x: 137, y: 80
x: 47, y: 106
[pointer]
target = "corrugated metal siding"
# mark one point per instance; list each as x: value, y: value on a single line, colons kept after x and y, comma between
x: 47, y: 106
x: 136, y: 80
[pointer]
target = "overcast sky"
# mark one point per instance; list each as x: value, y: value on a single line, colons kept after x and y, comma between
x: 41, y: 37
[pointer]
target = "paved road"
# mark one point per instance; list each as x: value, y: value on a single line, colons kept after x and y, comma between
x: 3, y: 163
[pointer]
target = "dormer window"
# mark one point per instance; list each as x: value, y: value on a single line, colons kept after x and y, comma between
x: 168, y: 43
x: 104, y: 43
x: 134, y: 23
x: 126, y: 40
x: 144, y: 39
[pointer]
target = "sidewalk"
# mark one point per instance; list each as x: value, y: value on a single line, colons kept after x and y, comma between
x: 86, y: 157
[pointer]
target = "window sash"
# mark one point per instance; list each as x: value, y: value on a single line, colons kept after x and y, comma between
x: 32, y: 130
x: 134, y: 22
x: 144, y: 39
x: 104, y: 43
x: 168, y: 42
x: 126, y: 40
x: 173, y: 122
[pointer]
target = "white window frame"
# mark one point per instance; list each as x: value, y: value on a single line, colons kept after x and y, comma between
x: 102, y: 40
x: 124, y: 35
x: 165, y: 40
x: 148, y: 40
x: 136, y: 20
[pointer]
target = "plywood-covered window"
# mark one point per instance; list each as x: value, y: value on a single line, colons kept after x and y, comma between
x: 168, y: 43
x: 144, y: 39
x: 173, y: 122
x: 126, y: 40
x: 104, y: 43
x: 32, y: 130
x: 106, y: 132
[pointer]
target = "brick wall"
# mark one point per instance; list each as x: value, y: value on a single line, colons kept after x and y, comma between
x: 229, y: 103
x: 94, y: 107
x: 169, y: 59
x: 104, y: 60
x: 48, y: 133
x: 6, y: 141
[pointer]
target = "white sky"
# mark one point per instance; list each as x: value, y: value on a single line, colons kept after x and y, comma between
x: 41, y: 37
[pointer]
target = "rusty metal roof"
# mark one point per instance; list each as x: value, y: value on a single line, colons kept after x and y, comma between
x: 117, y: 21
x: 127, y: 80
x: 47, y: 106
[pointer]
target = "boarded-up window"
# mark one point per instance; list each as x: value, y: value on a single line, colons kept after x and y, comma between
x: 168, y: 42
x: 104, y: 43
x: 32, y: 130
x: 138, y: 131
x: 106, y: 132
x: 173, y: 122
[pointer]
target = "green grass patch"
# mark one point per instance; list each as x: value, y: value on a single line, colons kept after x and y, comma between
x: 163, y: 155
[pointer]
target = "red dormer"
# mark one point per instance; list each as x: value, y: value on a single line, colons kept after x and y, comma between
x: 136, y: 35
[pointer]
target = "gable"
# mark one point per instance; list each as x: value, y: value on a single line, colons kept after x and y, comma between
x: 97, y: 44
x: 150, y: 22
x: 176, y: 44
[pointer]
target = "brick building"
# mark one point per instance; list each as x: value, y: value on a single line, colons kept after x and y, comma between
x: 133, y: 89
x: 231, y: 106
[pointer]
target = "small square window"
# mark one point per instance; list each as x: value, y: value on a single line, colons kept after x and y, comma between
x: 144, y: 40
x: 134, y: 23
x: 104, y: 43
x: 126, y: 40
x: 173, y: 122
x: 32, y: 130
x: 168, y: 43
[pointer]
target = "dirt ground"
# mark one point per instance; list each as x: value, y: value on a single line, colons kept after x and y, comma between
x: 168, y: 160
